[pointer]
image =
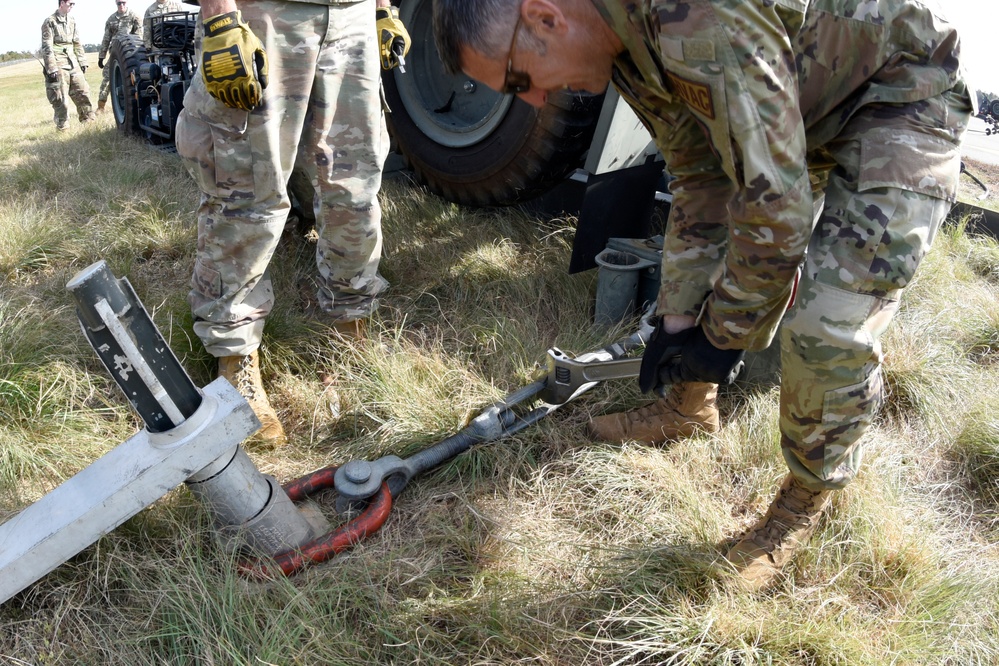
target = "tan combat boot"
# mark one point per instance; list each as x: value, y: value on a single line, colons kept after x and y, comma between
x: 354, y: 329
x: 762, y: 552
x: 243, y: 372
x: 688, y: 408
x: 100, y: 105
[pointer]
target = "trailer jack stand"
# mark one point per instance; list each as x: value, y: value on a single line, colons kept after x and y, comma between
x: 191, y: 436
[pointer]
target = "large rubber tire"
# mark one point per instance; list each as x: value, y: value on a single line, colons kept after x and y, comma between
x: 470, y: 144
x: 126, y: 54
x: 994, y: 107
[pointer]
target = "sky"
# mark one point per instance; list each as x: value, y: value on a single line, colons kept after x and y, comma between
x: 20, y: 29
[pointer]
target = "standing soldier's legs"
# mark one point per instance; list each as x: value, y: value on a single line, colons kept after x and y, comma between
x: 55, y: 91
x: 242, y: 162
x: 896, y: 175
x: 346, y: 144
x: 79, y: 92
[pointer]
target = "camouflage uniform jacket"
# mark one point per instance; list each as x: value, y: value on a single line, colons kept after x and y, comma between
x: 740, y: 98
x: 157, y: 9
x: 119, y: 24
x: 61, y: 47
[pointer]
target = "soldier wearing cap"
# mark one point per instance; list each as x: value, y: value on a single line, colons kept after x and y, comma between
x: 65, y: 64
x: 764, y: 112
x: 122, y: 22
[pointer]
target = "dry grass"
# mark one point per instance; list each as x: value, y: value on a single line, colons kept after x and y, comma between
x: 544, y: 548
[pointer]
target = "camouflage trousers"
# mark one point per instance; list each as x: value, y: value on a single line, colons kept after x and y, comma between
x: 895, y: 171
x: 323, y: 103
x: 79, y: 92
x: 104, y: 90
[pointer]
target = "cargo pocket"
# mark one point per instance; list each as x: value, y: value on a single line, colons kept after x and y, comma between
x: 206, y: 285
x: 53, y: 91
x: 213, y: 140
x: 907, y: 182
x: 847, y: 413
x: 910, y: 161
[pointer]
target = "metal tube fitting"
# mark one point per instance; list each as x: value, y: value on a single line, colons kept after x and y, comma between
x: 280, y: 527
x: 132, y: 349
x: 251, y: 510
x: 617, y: 285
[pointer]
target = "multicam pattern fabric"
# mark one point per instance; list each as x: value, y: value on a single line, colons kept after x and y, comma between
x: 157, y: 9
x: 62, y: 52
x: 756, y: 106
x: 117, y: 24
x: 160, y: 8
x: 322, y: 103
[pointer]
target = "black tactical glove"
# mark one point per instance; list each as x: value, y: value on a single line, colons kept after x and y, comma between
x: 697, y: 361
x: 100, y: 63
x: 52, y: 76
x: 662, y: 349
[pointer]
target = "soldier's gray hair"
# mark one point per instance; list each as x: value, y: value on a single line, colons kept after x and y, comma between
x: 482, y: 25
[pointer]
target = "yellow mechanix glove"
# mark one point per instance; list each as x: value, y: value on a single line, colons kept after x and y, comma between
x: 226, y: 66
x: 393, y: 38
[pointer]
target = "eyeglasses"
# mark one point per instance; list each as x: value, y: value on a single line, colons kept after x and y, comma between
x: 515, y: 82
x: 120, y: 4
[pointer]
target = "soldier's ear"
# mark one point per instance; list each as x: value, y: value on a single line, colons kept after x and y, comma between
x: 542, y: 16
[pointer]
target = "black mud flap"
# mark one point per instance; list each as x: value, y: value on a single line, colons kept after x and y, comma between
x: 617, y: 204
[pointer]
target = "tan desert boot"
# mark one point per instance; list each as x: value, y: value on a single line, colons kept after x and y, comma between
x: 762, y: 552
x: 354, y: 329
x: 688, y: 408
x: 243, y: 372
x: 100, y: 105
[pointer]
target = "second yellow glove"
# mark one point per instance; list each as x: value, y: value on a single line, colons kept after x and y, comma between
x: 233, y: 62
x: 393, y: 38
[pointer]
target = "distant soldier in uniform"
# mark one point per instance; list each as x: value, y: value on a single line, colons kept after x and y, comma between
x: 158, y: 8
x: 760, y: 109
x: 65, y: 64
x: 123, y: 22
x: 279, y: 79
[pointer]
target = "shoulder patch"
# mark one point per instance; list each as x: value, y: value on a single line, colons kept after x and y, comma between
x: 696, y: 95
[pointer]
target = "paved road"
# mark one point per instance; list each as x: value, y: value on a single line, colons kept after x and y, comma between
x: 979, y: 147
